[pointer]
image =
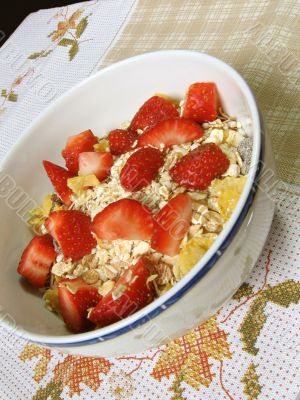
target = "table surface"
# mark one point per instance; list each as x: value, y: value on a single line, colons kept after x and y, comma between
x: 251, y: 348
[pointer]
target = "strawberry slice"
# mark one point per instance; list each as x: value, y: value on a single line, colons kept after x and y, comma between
x: 95, y: 163
x: 130, y: 293
x: 36, y: 260
x: 72, y: 231
x: 124, y: 219
x: 121, y: 141
x: 171, y: 225
x: 75, y: 298
x: 154, y: 110
x: 77, y: 144
x: 197, y: 169
x: 170, y: 132
x: 201, y: 102
x: 141, y: 169
x: 59, y: 179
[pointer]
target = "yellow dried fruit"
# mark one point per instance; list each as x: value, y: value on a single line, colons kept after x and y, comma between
x: 193, y: 251
x: 39, y: 214
x: 227, y: 191
x: 79, y: 184
x: 51, y: 300
x: 168, y: 98
x: 103, y: 145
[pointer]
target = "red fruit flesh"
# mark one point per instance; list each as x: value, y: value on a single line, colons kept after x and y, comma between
x: 95, y: 163
x: 121, y: 141
x: 201, y: 102
x: 77, y: 144
x: 130, y: 293
x: 170, y: 132
x: 75, y: 298
x: 141, y: 169
x: 59, y: 178
x: 200, y: 167
x: 154, y: 110
x: 124, y: 219
x: 171, y: 225
x: 36, y: 260
x: 72, y: 231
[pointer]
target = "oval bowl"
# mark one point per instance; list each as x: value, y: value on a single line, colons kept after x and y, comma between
x: 101, y: 103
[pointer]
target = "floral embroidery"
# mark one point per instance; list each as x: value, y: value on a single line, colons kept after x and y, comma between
x: 67, y: 34
x: 71, y: 372
x: 190, y: 355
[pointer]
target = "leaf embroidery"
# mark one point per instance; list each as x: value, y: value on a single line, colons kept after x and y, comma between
x: 52, y: 391
x: 177, y: 389
x: 9, y: 95
x: 73, y: 51
x: 252, y: 388
x: 39, y: 54
x: 81, y: 27
x: 283, y: 294
x: 243, y: 291
x: 66, y: 42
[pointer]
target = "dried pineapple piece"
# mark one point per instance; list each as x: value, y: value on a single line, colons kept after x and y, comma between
x: 39, y: 214
x: 227, y: 192
x: 193, y: 251
x: 79, y: 184
x: 51, y: 300
x: 168, y: 98
x: 103, y: 145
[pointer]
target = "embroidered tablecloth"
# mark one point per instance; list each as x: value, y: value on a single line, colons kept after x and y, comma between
x: 251, y: 348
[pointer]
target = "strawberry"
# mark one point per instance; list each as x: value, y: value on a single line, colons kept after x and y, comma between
x: 72, y: 231
x: 171, y: 225
x: 59, y: 179
x: 201, y: 102
x: 75, y: 298
x: 198, y: 168
x: 77, y: 144
x: 95, y: 163
x: 130, y: 293
x: 37, y: 259
x: 170, y: 132
x: 124, y: 219
x: 121, y: 141
x: 154, y: 110
x: 141, y: 169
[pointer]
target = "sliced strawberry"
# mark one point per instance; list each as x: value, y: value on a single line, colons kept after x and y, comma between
x: 59, y: 178
x: 77, y: 144
x: 170, y: 132
x: 121, y: 141
x: 124, y: 219
x: 154, y: 110
x: 197, y: 169
x: 201, y: 102
x: 72, y: 231
x: 95, y: 163
x: 36, y: 260
x: 130, y: 294
x: 75, y: 298
x: 141, y: 169
x: 171, y: 225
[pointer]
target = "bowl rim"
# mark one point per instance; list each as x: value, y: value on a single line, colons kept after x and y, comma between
x: 212, y: 255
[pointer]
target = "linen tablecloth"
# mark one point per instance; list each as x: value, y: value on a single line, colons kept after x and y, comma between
x: 251, y: 348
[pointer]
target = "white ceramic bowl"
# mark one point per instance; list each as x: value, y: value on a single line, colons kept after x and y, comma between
x: 101, y: 103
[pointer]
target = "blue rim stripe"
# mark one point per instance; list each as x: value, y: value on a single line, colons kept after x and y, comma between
x: 206, y: 268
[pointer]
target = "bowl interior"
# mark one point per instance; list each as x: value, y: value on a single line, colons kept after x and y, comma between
x: 101, y: 103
